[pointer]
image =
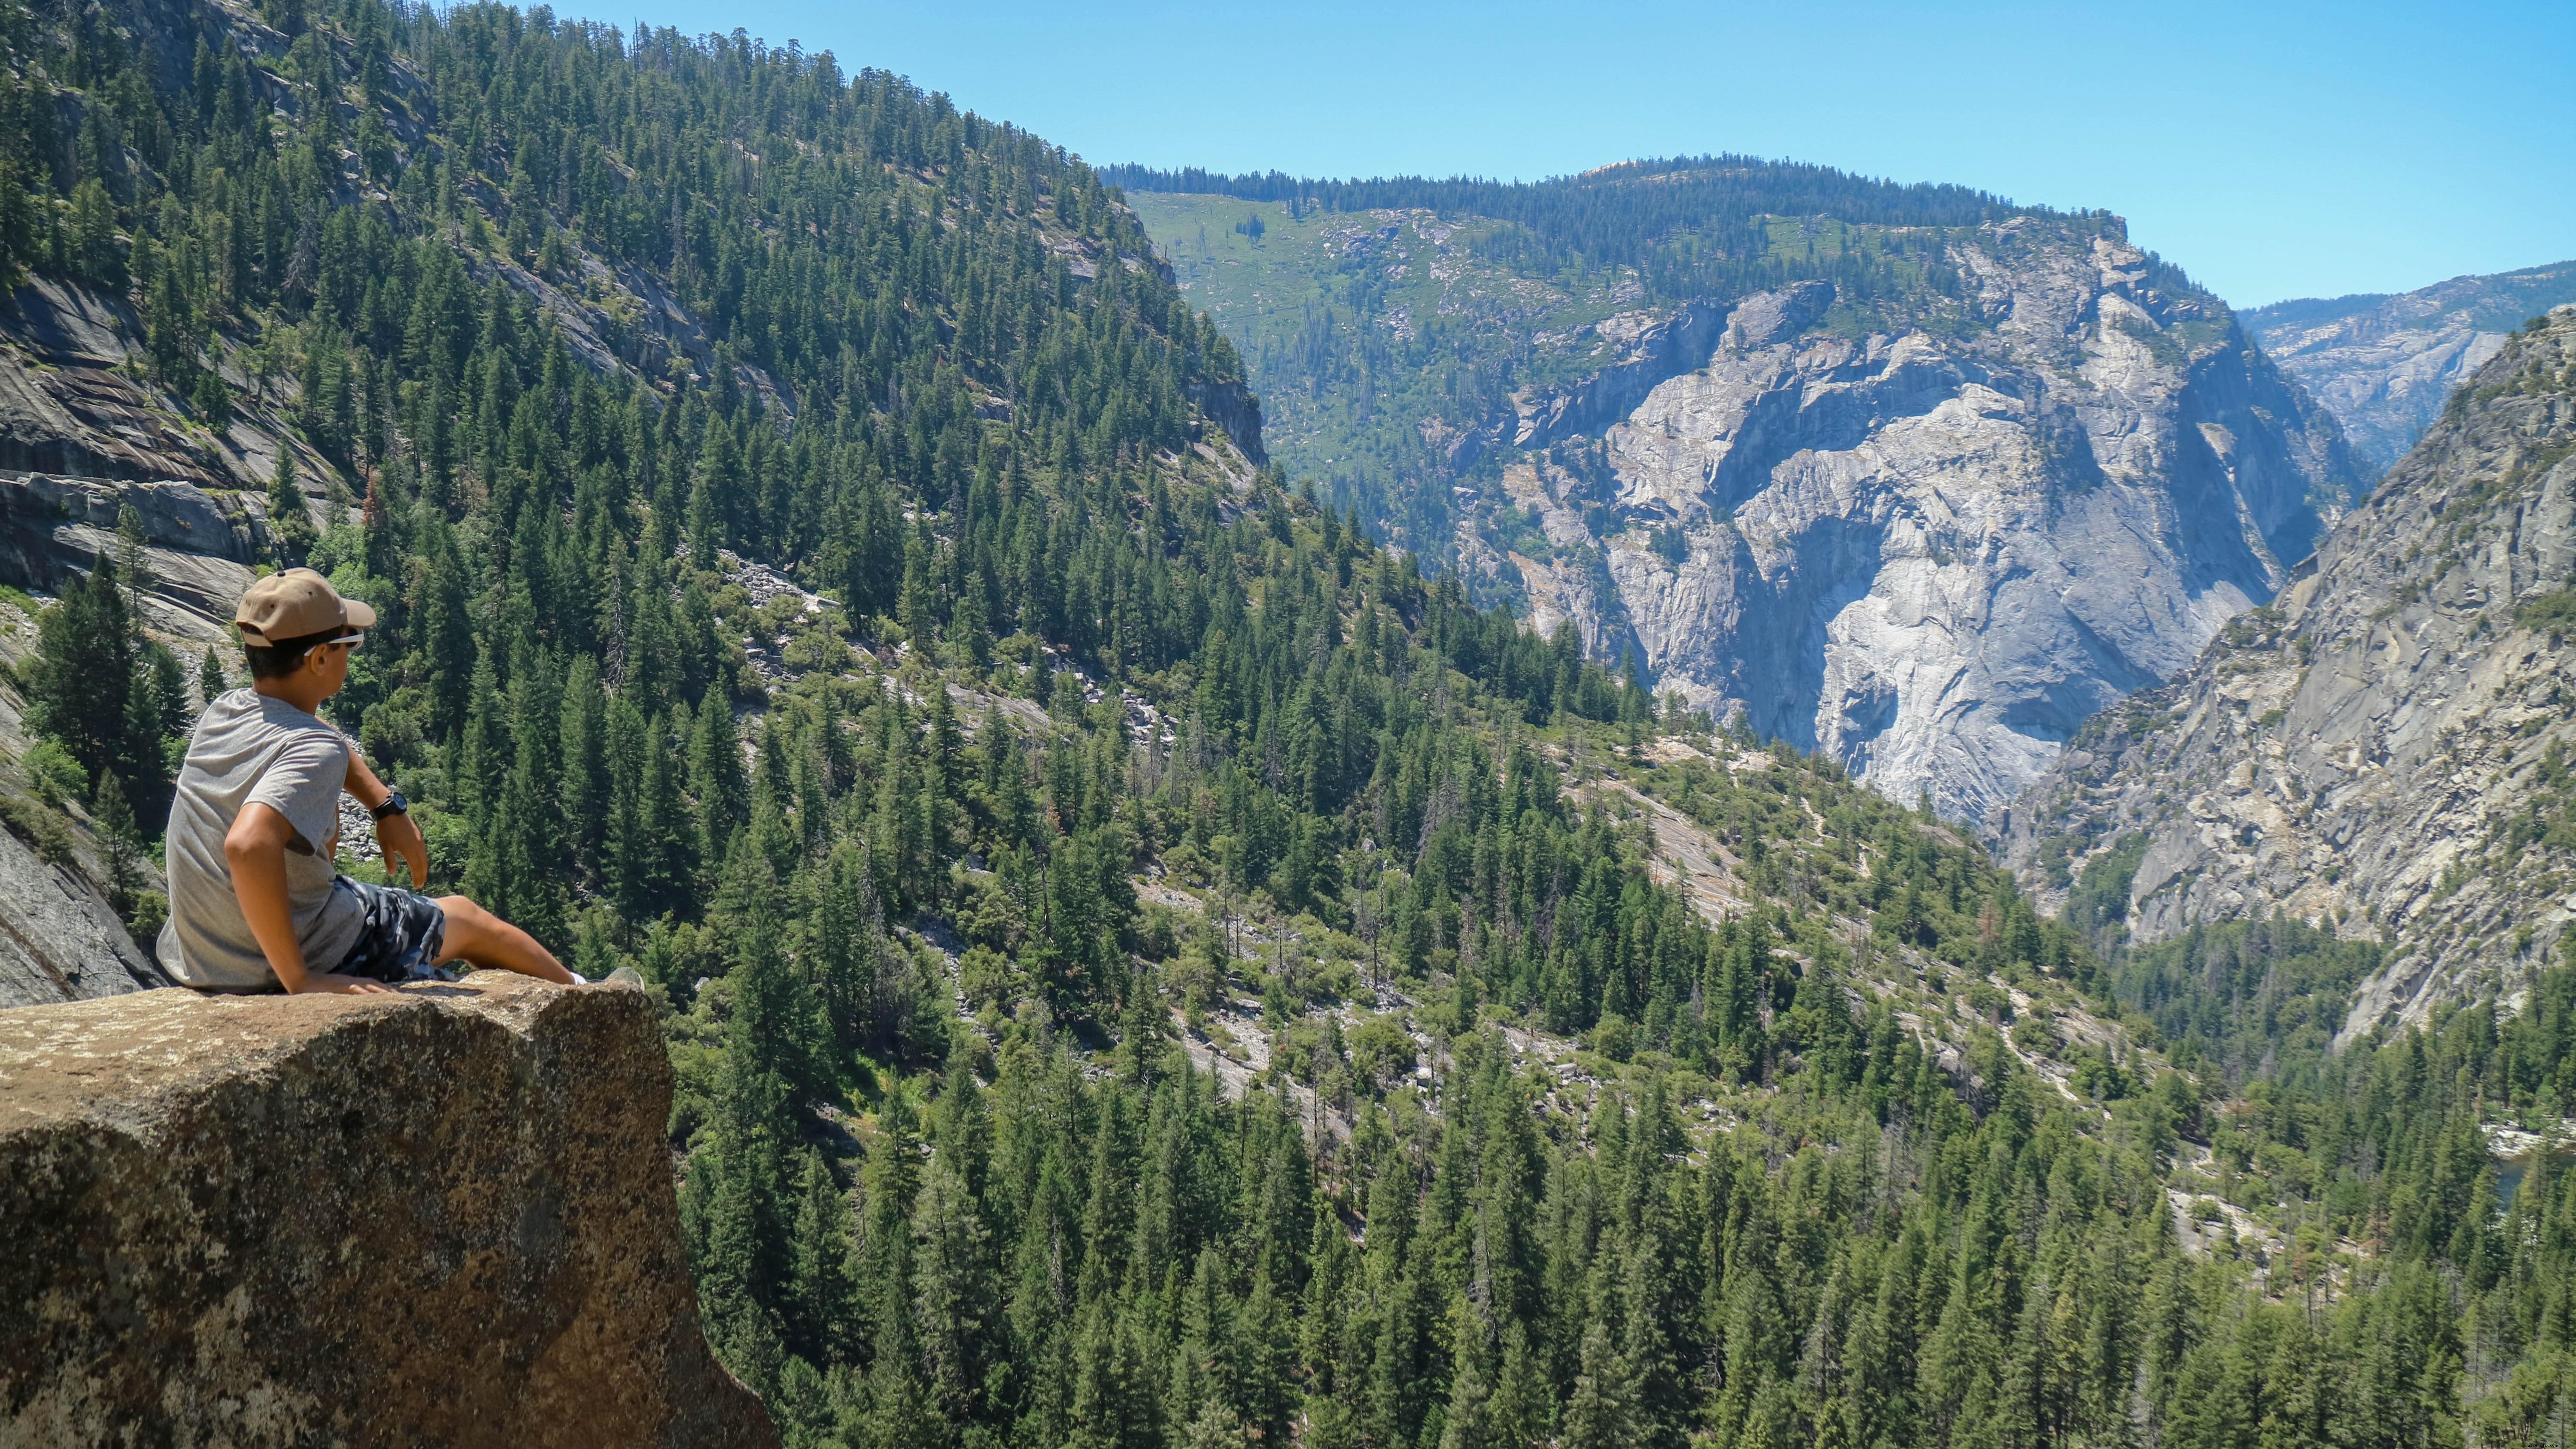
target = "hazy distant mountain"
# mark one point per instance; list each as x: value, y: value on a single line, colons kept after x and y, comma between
x: 2384, y: 364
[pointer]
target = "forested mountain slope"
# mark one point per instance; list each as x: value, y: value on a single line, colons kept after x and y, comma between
x: 2384, y: 365
x: 443, y: 319
x: 1906, y: 475
x: 2382, y: 752
x: 817, y: 570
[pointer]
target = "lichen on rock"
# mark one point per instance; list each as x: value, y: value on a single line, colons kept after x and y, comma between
x: 444, y: 1216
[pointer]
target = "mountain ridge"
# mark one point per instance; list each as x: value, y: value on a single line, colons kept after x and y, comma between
x: 2385, y: 363
x: 1140, y: 962
x: 2375, y: 752
x: 1590, y: 479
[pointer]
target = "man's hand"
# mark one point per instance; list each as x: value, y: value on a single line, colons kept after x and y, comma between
x: 398, y: 837
x: 395, y: 834
x: 334, y: 984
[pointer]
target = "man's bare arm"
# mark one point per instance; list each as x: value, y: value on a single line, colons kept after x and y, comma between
x: 256, y: 849
x: 394, y: 833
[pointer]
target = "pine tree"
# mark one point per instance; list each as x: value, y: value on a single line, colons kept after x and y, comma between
x: 955, y: 1283
x: 917, y: 607
x: 93, y: 689
x: 288, y: 521
x: 733, y: 1203
x: 820, y: 1326
x: 885, y: 1278
x: 716, y: 779
x: 849, y: 944
x: 584, y: 791
x: 1470, y: 1421
x: 120, y: 842
x: 211, y: 678
x: 1598, y: 1414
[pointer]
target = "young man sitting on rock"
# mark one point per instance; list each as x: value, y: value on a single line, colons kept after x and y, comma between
x: 255, y: 903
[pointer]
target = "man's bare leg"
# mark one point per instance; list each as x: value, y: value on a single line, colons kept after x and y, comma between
x: 476, y: 935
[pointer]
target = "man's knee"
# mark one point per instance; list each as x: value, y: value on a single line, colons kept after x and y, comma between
x: 463, y: 915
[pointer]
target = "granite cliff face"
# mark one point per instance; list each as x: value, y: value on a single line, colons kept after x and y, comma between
x: 2382, y: 750
x: 442, y: 1218
x: 1634, y: 351
x: 2383, y: 365
x: 72, y: 401
x: 200, y: 547
x: 60, y: 936
x: 1933, y: 553
x: 1923, y: 482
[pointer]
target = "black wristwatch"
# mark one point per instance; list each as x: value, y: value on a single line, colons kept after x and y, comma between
x: 394, y: 805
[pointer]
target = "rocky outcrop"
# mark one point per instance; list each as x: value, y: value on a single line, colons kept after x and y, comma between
x: 444, y: 1217
x: 72, y: 401
x: 61, y: 938
x: 1932, y: 556
x: 67, y: 404
x: 2383, y: 365
x: 1656, y: 345
x: 1233, y: 408
x: 200, y: 546
x: 2381, y: 751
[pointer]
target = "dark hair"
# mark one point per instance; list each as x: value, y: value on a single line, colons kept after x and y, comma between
x: 284, y: 657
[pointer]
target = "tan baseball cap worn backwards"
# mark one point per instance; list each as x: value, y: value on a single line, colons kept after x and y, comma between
x: 297, y: 604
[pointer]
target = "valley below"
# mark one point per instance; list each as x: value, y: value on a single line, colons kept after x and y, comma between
x: 1707, y: 804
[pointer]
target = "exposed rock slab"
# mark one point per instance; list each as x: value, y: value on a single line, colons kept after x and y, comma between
x: 60, y: 939
x: 2356, y: 754
x: 200, y: 545
x: 1656, y: 345
x: 1235, y: 411
x: 58, y: 935
x: 66, y: 405
x: 1933, y: 557
x: 444, y: 1217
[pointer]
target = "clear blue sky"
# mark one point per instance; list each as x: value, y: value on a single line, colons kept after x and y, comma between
x: 2272, y: 150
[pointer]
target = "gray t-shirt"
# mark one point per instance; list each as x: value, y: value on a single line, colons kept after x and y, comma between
x: 250, y: 748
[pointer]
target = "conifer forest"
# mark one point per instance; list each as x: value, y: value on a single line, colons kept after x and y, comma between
x: 1145, y: 962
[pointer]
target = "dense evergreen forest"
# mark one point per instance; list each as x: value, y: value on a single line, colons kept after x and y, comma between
x: 1689, y: 226
x: 1143, y: 964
